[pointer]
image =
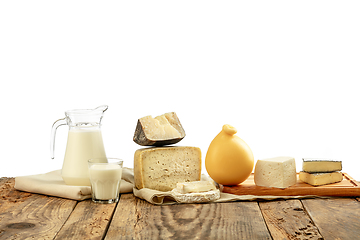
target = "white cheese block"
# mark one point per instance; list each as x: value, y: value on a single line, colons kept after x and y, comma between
x: 321, y: 165
x: 278, y: 172
x: 161, y: 168
x: 196, y: 186
x: 317, y: 179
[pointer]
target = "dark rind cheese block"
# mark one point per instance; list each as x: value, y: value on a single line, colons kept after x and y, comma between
x: 159, y: 131
x: 321, y: 165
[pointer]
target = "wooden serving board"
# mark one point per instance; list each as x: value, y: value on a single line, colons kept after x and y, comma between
x: 348, y: 187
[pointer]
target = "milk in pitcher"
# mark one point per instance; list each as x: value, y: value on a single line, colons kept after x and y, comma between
x: 82, y: 144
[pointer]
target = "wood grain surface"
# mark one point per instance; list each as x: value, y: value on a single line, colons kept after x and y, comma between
x: 236, y: 220
x: 124, y: 221
x: 336, y: 218
x: 288, y: 220
x: 31, y: 216
x: 89, y: 220
x: 348, y: 187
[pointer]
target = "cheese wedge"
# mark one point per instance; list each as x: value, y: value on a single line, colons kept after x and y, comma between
x: 162, y: 130
x: 317, y: 179
x: 321, y: 165
x: 278, y: 172
x: 161, y: 168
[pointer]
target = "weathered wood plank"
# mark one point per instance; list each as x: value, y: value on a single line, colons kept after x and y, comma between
x: 336, y: 218
x: 288, y: 220
x: 137, y: 219
x: 2, y: 180
x: 89, y: 220
x: 31, y: 216
x: 124, y: 220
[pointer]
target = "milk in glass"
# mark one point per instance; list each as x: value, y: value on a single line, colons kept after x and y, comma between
x: 105, y: 181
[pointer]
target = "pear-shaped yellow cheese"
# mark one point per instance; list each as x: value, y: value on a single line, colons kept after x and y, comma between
x: 229, y: 160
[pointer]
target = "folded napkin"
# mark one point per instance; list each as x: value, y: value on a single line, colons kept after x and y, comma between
x: 52, y: 184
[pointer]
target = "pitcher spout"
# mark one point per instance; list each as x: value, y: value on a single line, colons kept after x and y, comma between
x: 102, y: 108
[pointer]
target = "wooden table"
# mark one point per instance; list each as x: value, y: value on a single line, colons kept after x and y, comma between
x: 32, y: 216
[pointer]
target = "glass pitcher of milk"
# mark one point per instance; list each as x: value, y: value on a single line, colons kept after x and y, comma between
x: 84, y: 142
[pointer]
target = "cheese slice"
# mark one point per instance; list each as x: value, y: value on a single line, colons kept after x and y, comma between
x: 195, y: 192
x: 161, y: 168
x: 196, y: 186
x: 278, y: 172
x: 321, y: 165
x: 196, y: 197
x: 317, y: 179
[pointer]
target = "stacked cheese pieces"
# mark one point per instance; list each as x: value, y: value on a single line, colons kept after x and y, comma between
x: 321, y: 171
x: 160, y: 167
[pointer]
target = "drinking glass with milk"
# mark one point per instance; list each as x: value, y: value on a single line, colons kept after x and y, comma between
x: 105, y: 177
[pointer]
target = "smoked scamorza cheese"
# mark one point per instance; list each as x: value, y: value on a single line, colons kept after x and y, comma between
x: 317, y: 179
x: 162, y: 130
x: 161, y: 168
x: 278, y: 172
x: 321, y: 165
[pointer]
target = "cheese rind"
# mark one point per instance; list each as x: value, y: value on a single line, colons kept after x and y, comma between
x: 317, y: 179
x: 321, y: 165
x: 162, y: 130
x: 161, y: 168
x: 278, y: 172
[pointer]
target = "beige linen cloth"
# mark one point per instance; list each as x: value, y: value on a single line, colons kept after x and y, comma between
x: 52, y: 184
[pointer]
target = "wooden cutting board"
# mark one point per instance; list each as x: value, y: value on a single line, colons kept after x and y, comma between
x: 348, y: 187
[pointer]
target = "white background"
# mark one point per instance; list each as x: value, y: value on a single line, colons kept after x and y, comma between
x: 284, y: 73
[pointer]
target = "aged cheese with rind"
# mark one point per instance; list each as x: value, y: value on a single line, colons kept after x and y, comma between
x: 162, y: 130
x: 161, y: 168
x: 278, y: 172
x: 318, y: 179
x: 312, y: 165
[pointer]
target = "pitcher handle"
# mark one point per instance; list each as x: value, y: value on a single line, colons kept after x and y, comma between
x: 56, y: 124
